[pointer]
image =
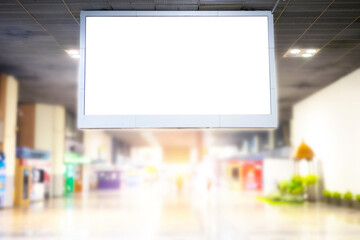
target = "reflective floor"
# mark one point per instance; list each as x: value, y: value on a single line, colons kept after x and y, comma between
x: 155, y: 213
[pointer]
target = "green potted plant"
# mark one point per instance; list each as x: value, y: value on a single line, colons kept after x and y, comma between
x: 291, y: 191
x: 327, y: 196
x: 357, y: 202
x: 296, y: 185
x: 309, y: 183
x: 347, y: 200
x: 336, y: 198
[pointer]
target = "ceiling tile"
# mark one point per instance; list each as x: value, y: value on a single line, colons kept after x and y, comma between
x: 35, y: 57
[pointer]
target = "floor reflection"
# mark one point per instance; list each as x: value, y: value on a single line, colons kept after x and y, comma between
x: 154, y: 212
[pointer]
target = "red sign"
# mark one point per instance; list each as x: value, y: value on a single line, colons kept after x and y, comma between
x: 252, y: 175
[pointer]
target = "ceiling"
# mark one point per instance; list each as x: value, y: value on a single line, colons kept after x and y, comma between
x: 34, y: 35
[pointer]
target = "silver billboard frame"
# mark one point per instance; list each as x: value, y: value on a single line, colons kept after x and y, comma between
x: 177, y: 121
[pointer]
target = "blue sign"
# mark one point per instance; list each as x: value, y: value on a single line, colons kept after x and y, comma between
x: 2, y: 160
x: 2, y: 179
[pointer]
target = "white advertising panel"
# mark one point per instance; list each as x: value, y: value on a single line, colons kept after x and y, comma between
x: 177, y: 70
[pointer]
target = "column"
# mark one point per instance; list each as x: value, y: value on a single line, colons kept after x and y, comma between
x: 8, y: 116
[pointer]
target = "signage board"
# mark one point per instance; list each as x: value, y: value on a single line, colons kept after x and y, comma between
x: 176, y: 69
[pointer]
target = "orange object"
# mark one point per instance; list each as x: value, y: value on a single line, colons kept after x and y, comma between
x: 304, y: 151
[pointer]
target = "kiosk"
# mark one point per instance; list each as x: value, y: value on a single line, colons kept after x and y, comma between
x: 32, y: 176
x: 245, y: 173
x: 73, y: 175
x: 109, y: 179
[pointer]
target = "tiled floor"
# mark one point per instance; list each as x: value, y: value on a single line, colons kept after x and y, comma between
x: 150, y: 213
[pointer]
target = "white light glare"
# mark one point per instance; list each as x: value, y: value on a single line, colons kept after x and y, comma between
x: 306, y: 55
x: 301, y: 52
x: 73, y: 53
x: 295, y: 51
x: 311, y: 51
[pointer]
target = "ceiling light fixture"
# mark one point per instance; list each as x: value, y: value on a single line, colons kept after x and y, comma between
x: 306, y: 55
x: 295, y: 51
x: 301, y: 52
x: 311, y: 51
x: 73, y: 53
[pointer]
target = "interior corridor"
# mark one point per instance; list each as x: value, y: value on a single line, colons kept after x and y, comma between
x: 157, y: 212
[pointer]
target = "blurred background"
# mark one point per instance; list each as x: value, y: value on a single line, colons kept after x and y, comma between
x: 298, y: 181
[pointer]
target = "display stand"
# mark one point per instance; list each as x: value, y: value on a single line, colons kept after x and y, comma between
x: 245, y: 173
x: 74, y: 172
x: 108, y: 179
x: 32, y: 176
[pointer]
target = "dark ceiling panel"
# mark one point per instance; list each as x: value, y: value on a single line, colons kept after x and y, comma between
x: 292, y: 7
x: 335, y: 20
x: 74, y: 27
x: 292, y: 26
x: 11, y: 9
x: 33, y: 44
x: 46, y: 8
x: 310, y: 43
x: 318, y: 36
x: 179, y: 7
x: 259, y: 2
x: 220, y: 7
x: 295, y: 20
x: 310, y: 1
x: 6, y: 2
x: 41, y: 1
x: 176, y: 2
x: 262, y: 7
x: 333, y: 26
x: 10, y: 15
x: 345, y: 7
x: 134, y: 6
x: 288, y: 31
x: 96, y: 6
x: 341, y: 14
x: 301, y: 14
x: 64, y: 15
x: 90, y: 2
x: 131, y: 2
x: 68, y: 21
x: 323, y: 31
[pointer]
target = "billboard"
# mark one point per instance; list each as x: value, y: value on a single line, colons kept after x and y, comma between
x: 151, y: 69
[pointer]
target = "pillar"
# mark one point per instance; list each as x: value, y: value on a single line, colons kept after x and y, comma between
x: 42, y: 127
x: 271, y: 139
x: 8, y: 116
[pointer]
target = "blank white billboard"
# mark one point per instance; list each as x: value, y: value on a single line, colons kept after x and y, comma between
x: 177, y: 69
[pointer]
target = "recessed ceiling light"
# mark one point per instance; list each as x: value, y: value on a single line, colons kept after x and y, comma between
x: 306, y: 55
x: 301, y: 52
x: 312, y: 51
x: 73, y: 53
x: 295, y: 51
